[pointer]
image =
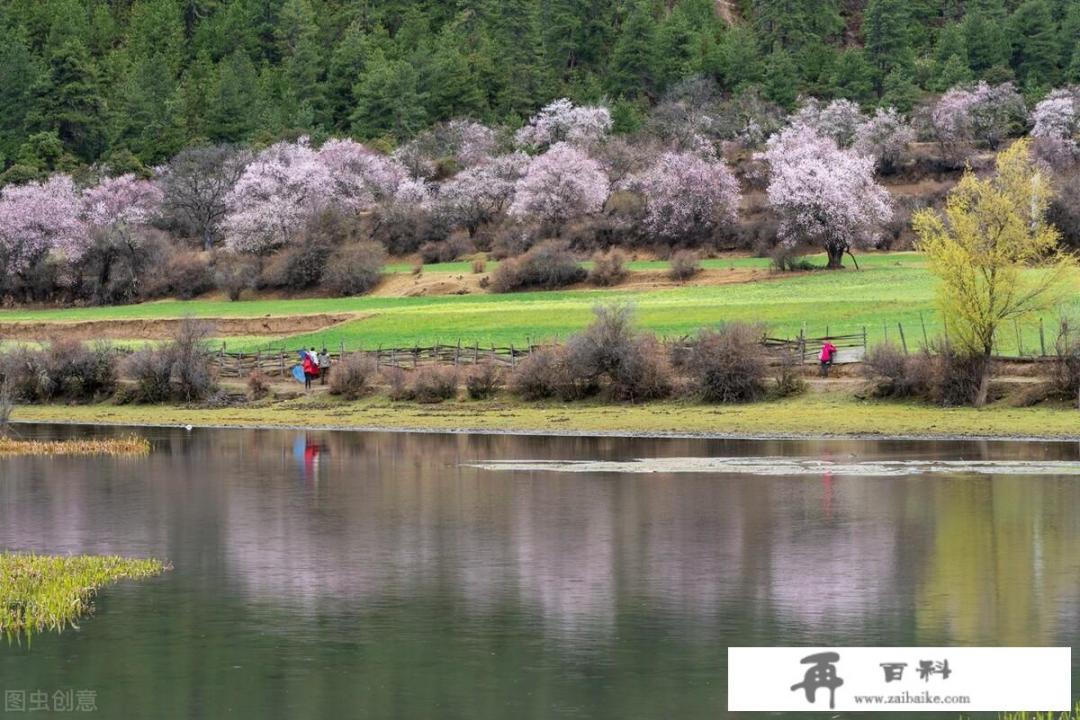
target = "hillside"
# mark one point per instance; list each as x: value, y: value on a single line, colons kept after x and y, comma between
x: 134, y: 82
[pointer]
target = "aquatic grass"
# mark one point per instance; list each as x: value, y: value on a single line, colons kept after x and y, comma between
x: 1074, y: 715
x: 120, y: 447
x: 41, y: 593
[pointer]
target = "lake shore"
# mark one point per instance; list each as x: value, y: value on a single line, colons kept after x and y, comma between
x: 833, y: 414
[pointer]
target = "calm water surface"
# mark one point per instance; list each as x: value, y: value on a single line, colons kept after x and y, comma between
x: 340, y: 575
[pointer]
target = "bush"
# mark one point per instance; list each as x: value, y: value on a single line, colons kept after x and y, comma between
x: 728, y: 365
x: 446, y: 250
x: 297, y: 267
x: 608, y: 268
x: 898, y: 375
x: 7, y: 405
x: 355, y: 269
x: 351, y: 377
x: 483, y: 380
x: 66, y: 369
x: 958, y: 377
x: 233, y: 274
x: 608, y: 355
x: 479, y: 266
x: 258, y: 384
x: 178, y: 370
x: 533, y: 378
x: 1067, y: 371
x: 184, y: 275
x: 787, y: 381
x: 783, y: 258
x: 433, y: 384
x: 397, y: 382
x: 548, y: 265
x: 685, y: 264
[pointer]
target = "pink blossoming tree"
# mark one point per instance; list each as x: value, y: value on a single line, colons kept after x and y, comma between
x: 36, y: 219
x: 562, y: 121
x: 838, y: 120
x: 359, y: 177
x: 482, y: 193
x: 279, y: 190
x: 884, y: 137
x: 687, y: 196
x: 824, y: 195
x: 562, y: 183
x: 1056, y: 126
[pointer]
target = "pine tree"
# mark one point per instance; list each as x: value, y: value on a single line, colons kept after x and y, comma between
x: 1035, y: 48
x: 298, y: 43
x: 676, y: 41
x: 885, y: 30
x: 523, y: 79
x: 984, y: 35
x: 234, y: 96
x: 19, y: 74
x: 633, y: 70
x: 68, y: 100
x: 781, y: 78
x: 453, y: 88
x: 792, y: 23
x: 388, y: 101
x: 853, y: 76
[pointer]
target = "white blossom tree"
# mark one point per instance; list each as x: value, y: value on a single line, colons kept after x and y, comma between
x: 824, y: 195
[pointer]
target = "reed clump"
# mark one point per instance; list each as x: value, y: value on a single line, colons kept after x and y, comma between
x: 41, y: 593
x: 118, y: 447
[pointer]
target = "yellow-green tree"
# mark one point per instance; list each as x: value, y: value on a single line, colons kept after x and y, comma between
x: 995, y: 254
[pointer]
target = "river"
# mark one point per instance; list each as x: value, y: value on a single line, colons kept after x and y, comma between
x: 390, y: 575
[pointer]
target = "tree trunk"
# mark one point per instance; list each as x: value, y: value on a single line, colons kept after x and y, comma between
x: 836, y: 257
x: 983, y: 392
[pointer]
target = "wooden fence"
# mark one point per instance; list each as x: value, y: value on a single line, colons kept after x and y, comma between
x: 851, y: 348
x: 280, y: 362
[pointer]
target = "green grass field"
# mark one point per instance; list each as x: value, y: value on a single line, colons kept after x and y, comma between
x: 891, y: 289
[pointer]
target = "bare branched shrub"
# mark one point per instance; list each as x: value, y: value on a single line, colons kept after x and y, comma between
x: 7, y: 405
x: 548, y: 265
x: 608, y: 356
x: 234, y: 273
x: 351, y: 378
x: 898, y: 375
x: 354, y: 269
x: 685, y: 264
x: 483, y: 380
x: 177, y: 370
x: 728, y: 365
x: 448, y: 250
x: 63, y: 370
x: 533, y: 378
x: 1067, y: 368
x: 608, y: 268
x: 478, y: 267
x: 787, y: 381
x: 958, y: 377
x: 397, y: 383
x: 434, y: 383
x: 258, y: 384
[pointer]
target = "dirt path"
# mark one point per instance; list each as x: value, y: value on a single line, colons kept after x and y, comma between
x: 161, y: 329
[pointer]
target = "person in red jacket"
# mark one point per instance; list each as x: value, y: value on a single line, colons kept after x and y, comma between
x: 311, y: 368
x: 828, y: 353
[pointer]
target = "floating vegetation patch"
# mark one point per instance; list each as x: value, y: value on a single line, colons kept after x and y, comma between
x: 42, y: 592
x: 120, y: 447
x: 792, y: 466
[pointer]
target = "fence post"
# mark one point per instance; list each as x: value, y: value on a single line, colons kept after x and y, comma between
x: 513, y: 356
x: 865, y: 348
x: 281, y: 361
x: 925, y: 339
x: 476, y: 352
x: 903, y: 340
x: 802, y: 345
x: 1019, y: 339
x: 1042, y: 339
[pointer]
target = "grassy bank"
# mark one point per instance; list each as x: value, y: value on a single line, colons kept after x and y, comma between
x: 39, y: 593
x: 891, y: 289
x: 123, y: 447
x: 833, y: 413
